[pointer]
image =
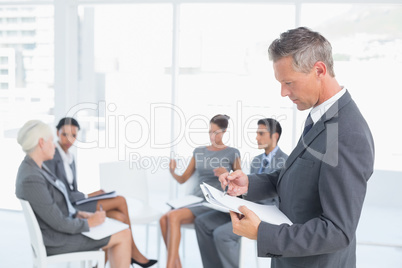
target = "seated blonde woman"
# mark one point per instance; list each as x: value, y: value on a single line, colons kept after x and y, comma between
x: 208, y: 162
x: 61, y: 224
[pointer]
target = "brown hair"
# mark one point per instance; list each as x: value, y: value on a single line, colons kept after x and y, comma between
x: 221, y: 120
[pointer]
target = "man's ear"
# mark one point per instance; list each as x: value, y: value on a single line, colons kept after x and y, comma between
x: 320, y: 69
x: 275, y: 137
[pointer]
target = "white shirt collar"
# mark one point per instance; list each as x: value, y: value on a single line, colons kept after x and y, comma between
x: 271, y: 154
x: 318, y: 111
x: 67, y: 157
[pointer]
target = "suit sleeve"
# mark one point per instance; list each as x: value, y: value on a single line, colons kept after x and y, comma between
x: 76, y: 195
x: 37, y: 193
x: 262, y: 186
x: 59, y: 172
x: 255, y: 165
x: 345, y: 168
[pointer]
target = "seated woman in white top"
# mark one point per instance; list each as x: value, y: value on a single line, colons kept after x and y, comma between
x: 63, y: 166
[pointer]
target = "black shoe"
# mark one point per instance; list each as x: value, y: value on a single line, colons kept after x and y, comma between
x: 148, y: 264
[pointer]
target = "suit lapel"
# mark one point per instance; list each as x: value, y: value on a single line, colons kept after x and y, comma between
x: 48, y: 176
x: 318, y: 127
x: 74, y: 175
x: 302, y: 145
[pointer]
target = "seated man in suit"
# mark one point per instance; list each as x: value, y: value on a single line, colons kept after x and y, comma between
x: 63, y: 167
x: 219, y: 246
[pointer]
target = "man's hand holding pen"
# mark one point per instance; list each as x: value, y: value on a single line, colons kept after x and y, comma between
x: 245, y: 224
x: 237, y: 182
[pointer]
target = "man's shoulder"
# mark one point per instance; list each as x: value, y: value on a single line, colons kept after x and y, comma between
x: 258, y: 157
x: 349, y: 116
x: 281, y: 153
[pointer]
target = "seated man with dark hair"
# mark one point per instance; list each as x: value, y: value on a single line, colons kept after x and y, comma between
x: 219, y: 246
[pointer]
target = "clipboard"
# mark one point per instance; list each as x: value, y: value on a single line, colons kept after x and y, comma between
x: 96, y: 197
x: 268, y: 213
x: 185, y: 201
x: 108, y: 228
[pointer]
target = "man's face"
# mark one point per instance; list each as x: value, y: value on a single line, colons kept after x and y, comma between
x: 301, y: 88
x: 67, y: 136
x: 264, y: 139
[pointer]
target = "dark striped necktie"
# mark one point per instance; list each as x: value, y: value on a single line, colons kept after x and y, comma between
x: 308, y: 125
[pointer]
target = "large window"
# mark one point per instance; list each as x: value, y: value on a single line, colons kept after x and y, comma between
x: 125, y: 55
x: 123, y: 65
x: 367, y: 47
x: 26, y: 82
x: 224, y: 69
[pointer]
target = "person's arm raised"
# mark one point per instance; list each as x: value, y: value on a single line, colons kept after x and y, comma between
x: 187, y: 173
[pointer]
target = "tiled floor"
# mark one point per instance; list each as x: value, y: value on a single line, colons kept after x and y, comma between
x: 377, y: 226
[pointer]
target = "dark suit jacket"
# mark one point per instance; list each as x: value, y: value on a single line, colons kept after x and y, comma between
x: 48, y: 202
x: 277, y: 162
x: 61, y: 232
x: 56, y: 166
x: 321, y: 189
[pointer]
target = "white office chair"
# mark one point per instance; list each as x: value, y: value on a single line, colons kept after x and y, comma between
x: 41, y: 260
x: 245, y: 245
x: 131, y: 183
x: 184, y: 228
x: 188, y: 188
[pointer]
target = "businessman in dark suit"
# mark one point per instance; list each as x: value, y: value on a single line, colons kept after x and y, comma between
x: 323, y: 184
x: 219, y: 246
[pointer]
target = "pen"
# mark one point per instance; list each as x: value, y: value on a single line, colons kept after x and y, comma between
x: 227, y: 186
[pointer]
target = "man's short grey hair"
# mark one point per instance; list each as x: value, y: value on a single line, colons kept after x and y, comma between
x: 31, y: 132
x: 305, y: 47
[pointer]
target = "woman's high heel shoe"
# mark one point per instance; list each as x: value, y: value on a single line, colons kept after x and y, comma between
x: 148, y: 264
